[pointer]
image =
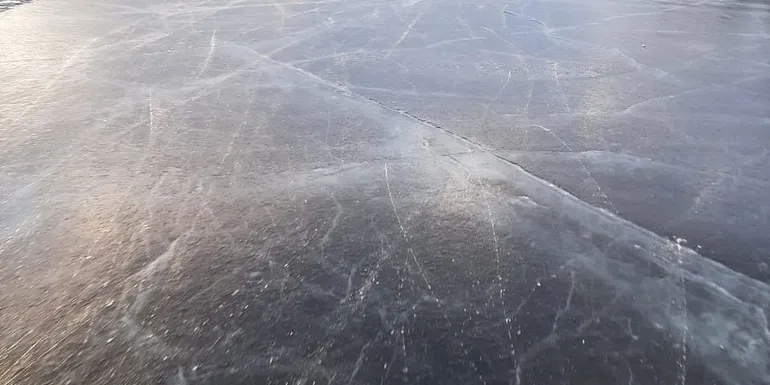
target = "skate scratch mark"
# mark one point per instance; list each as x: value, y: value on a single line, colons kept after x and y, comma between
x: 682, y: 360
x: 335, y: 221
x: 555, y: 71
x: 507, y: 12
x: 403, y: 231
x: 283, y: 13
x: 152, y: 117
x: 452, y: 41
x: 567, y: 303
x: 526, y: 112
x: 236, y: 134
x: 496, y: 242
x: 403, y: 349
x: 388, y: 366
x: 409, y: 28
x: 582, y: 164
x: 508, y: 80
x: 212, y: 47
x: 328, y: 126
x: 359, y: 362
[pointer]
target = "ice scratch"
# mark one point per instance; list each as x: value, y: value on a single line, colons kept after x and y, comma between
x: 283, y: 13
x: 334, y: 222
x: 502, y: 89
x: 496, y: 243
x: 567, y: 303
x: 160, y: 262
x: 451, y: 41
x: 555, y: 70
x: 582, y: 164
x: 328, y: 126
x: 532, y: 19
x: 409, y: 28
x: 151, y: 107
x: 403, y: 231
x: 526, y: 114
x: 212, y: 47
x: 359, y: 362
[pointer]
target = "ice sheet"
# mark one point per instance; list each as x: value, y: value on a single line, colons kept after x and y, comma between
x: 337, y: 192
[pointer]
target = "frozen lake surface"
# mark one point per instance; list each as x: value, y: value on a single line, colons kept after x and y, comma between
x: 385, y: 192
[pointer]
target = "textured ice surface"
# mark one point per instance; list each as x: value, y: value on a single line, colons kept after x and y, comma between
x: 378, y: 192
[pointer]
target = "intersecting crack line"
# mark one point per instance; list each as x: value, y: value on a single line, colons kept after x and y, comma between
x: 585, y: 169
x: 471, y: 144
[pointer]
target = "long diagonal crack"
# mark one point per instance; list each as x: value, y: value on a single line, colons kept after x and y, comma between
x: 472, y: 144
x: 736, y: 292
